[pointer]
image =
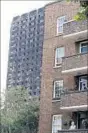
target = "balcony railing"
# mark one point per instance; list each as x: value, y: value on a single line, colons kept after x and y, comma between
x: 74, y: 62
x: 70, y: 99
x: 74, y: 131
x: 72, y: 27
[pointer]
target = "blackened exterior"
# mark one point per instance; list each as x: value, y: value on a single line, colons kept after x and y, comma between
x: 25, y: 51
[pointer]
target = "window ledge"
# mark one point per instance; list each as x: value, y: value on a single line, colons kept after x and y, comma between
x: 59, y: 34
x: 55, y: 100
x: 57, y: 66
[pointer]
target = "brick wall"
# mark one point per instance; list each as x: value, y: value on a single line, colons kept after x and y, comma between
x: 53, y: 11
x: 75, y: 61
x: 49, y: 73
x: 74, y: 99
x: 74, y: 27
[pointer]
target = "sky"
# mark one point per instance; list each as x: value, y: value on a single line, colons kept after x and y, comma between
x: 10, y: 9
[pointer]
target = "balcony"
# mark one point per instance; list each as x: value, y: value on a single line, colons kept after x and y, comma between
x: 75, y: 63
x: 74, y: 28
x: 74, y: 100
x: 74, y: 131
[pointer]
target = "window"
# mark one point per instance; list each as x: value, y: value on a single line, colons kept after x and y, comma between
x: 82, y: 116
x: 32, y: 18
x: 60, y: 21
x: 58, y: 55
x: 34, y: 93
x: 83, y: 85
x: 58, y: 87
x: 83, y: 47
x: 56, y: 123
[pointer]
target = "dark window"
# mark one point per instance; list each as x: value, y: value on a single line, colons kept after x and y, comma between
x: 19, y: 66
x: 31, y: 69
x: 34, y: 93
x: 26, y: 82
x: 32, y: 57
x: 31, y: 87
x: 36, y: 50
x: 23, y: 71
x: 39, y: 92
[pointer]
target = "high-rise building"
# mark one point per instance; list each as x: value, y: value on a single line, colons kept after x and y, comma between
x: 25, y: 51
x: 64, y: 84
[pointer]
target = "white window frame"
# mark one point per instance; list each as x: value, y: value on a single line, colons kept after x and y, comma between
x: 57, y: 64
x: 81, y: 46
x: 59, y: 115
x: 80, y: 81
x: 54, y: 87
x: 61, y: 25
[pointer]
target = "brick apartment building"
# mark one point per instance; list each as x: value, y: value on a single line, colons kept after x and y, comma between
x: 64, y: 70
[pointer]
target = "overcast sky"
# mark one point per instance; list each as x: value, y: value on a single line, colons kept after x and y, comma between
x: 9, y: 9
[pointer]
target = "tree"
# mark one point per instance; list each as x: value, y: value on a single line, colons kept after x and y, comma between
x: 83, y: 11
x: 20, y: 113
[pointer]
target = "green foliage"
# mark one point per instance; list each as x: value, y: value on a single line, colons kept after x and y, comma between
x: 83, y: 11
x: 82, y: 14
x: 20, y: 112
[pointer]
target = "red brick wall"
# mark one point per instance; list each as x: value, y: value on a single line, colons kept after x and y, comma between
x: 74, y: 99
x: 49, y: 74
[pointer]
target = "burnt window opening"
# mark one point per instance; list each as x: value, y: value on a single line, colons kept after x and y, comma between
x: 81, y: 82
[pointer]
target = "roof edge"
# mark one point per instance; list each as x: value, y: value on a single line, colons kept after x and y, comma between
x: 54, y: 2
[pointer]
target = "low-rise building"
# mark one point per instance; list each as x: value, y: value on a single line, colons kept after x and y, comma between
x: 64, y: 87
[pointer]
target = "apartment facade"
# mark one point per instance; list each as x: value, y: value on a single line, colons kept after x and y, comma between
x: 64, y: 84
x: 25, y: 51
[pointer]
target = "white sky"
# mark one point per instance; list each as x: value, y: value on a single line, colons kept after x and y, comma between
x: 9, y: 9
